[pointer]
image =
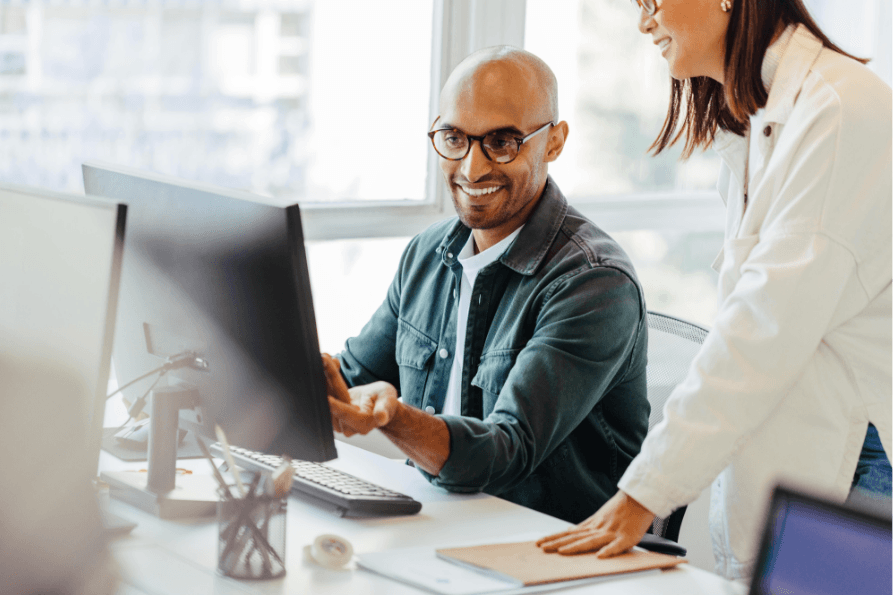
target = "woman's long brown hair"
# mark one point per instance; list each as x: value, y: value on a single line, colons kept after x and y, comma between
x: 701, y: 105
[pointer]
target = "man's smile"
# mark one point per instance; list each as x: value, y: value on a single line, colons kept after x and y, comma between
x: 478, y: 192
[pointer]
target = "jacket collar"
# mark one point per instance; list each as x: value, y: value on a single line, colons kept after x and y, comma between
x: 530, y: 247
x: 797, y: 57
x: 796, y: 61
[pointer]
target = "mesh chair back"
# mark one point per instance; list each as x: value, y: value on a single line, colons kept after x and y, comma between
x: 672, y: 345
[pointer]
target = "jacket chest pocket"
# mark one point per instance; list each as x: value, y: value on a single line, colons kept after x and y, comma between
x: 734, y: 253
x: 491, y: 375
x: 413, y: 353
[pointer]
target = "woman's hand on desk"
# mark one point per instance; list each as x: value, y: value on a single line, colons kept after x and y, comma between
x: 615, y: 528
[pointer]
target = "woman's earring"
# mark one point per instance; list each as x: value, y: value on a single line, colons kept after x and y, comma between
x: 726, y: 5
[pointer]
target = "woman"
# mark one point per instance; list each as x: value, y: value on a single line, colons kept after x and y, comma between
x: 798, y: 362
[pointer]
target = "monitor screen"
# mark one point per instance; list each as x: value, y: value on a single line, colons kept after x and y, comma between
x: 220, y: 274
x: 811, y: 546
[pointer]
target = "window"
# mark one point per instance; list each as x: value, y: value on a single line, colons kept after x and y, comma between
x: 861, y: 27
x: 614, y: 86
x: 369, y: 109
x: 350, y: 280
x: 282, y: 98
x: 613, y: 91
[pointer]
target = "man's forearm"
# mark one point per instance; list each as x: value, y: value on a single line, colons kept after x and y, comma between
x: 425, y: 439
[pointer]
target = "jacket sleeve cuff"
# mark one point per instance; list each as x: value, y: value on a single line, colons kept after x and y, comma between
x: 461, y: 473
x: 650, y: 488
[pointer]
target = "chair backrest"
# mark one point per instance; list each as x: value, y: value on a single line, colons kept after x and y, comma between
x: 672, y: 345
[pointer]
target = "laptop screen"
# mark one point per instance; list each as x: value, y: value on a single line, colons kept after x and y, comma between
x: 815, y: 547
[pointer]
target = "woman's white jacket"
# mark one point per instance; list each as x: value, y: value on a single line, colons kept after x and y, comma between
x: 798, y: 361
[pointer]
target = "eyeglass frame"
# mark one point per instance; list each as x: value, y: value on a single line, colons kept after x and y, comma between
x: 643, y: 4
x: 480, y: 139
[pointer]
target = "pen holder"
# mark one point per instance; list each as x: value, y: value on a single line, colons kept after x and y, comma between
x: 251, y: 541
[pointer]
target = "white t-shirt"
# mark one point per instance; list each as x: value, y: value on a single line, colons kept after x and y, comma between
x: 471, y: 265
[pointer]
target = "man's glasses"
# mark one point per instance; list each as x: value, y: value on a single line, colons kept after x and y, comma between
x: 650, y: 6
x: 501, y: 147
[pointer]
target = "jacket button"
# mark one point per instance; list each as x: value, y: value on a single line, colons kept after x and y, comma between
x: 444, y: 353
x: 449, y: 255
x: 429, y: 409
x: 767, y: 131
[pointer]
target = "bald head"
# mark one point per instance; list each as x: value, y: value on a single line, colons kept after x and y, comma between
x: 506, y: 77
x: 501, y: 100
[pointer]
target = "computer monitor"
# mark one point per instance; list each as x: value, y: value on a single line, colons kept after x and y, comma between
x: 814, y: 546
x: 220, y: 274
x: 59, y: 275
x: 60, y: 258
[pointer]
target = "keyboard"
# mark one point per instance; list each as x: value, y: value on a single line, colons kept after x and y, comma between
x: 352, y: 496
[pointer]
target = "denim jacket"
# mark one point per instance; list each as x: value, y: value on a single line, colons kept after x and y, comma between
x: 554, y: 403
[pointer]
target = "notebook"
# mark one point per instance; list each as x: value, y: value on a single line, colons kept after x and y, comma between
x: 528, y: 564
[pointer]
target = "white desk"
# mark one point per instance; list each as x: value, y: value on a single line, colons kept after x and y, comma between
x: 181, y: 556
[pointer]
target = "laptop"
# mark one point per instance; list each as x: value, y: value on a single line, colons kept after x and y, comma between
x: 814, y: 546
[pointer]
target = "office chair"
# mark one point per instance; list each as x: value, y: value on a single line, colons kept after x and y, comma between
x: 672, y: 345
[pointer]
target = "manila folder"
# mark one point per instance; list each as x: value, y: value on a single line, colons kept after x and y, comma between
x: 528, y: 563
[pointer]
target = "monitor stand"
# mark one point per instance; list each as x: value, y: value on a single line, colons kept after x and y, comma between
x: 159, y: 490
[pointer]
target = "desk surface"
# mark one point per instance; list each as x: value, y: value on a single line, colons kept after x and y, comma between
x: 181, y: 556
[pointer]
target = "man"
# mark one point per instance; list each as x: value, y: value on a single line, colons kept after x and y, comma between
x: 515, y: 334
